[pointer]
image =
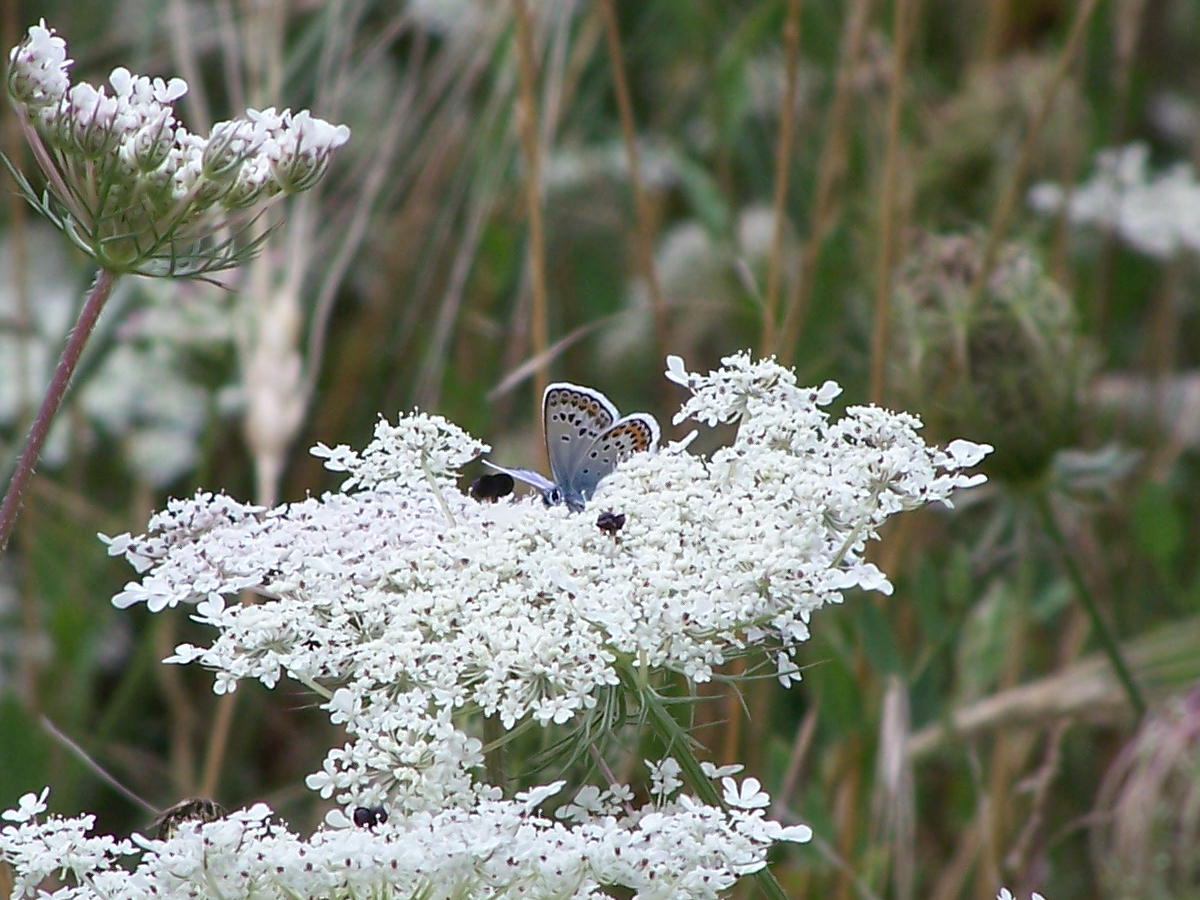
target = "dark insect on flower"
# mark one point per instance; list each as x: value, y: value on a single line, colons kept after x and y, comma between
x: 193, y: 809
x: 492, y: 487
x: 610, y: 522
x: 370, y: 816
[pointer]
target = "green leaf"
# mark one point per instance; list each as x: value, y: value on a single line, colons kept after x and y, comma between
x: 1158, y: 526
x: 877, y: 639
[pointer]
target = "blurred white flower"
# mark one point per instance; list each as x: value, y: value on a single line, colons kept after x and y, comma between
x: 140, y: 397
x: 1155, y: 213
x: 28, y: 348
x: 569, y: 168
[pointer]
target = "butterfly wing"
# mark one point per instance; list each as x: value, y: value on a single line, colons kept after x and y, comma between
x: 535, y: 479
x: 573, y: 417
x: 631, y: 434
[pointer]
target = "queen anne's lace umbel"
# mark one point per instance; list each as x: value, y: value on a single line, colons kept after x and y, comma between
x: 499, y: 848
x: 406, y: 598
x: 129, y: 184
x: 405, y: 602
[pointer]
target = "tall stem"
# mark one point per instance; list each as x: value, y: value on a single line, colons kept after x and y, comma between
x: 830, y: 169
x: 641, y: 201
x: 1007, y: 203
x: 1107, y: 641
x: 97, y: 296
x: 901, y: 29
x: 527, y: 127
x: 783, y: 167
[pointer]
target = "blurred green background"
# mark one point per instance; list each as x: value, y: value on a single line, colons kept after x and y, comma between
x: 844, y: 184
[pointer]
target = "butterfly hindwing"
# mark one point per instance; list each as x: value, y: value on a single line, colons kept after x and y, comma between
x: 631, y: 434
x: 573, y: 417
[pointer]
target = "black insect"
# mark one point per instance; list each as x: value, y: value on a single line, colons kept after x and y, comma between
x: 492, y: 487
x: 369, y: 816
x: 610, y: 522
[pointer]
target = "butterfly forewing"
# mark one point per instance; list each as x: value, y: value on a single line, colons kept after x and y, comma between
x: 573, y: 418
x: 634, y: 433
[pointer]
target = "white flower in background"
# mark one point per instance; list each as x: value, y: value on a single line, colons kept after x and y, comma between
x: 130, y: 186
x: 574, y: 168
x: 449, y: 17
x: 28, y: 348
x: 664, y: 777
x: 158, y: 429
x: 1006, y: 894
x: 709, y: 273
x: 162, y: 327
x: 1155, y: 213
x: 1175, y: 116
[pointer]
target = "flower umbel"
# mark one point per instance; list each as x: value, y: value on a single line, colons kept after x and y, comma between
x: 498, y: 848
x: 412, y: 607
x: 402, y: 598
x: 131, y: 186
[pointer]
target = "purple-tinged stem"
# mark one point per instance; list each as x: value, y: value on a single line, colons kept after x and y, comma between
x: 99, y: 294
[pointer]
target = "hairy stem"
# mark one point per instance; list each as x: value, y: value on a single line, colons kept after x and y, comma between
x: 97, y: 296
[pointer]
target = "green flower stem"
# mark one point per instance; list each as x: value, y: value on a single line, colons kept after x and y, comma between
x: 99, y: 294
x: 1107, y: 641
x: 678, y: 743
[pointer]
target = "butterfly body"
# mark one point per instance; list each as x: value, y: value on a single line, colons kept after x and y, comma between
x: 585, y: 439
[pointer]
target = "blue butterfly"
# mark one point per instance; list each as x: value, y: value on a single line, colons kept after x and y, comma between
x: 585, y: 439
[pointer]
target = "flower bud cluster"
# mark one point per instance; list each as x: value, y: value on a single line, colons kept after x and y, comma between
x: 134, y: 188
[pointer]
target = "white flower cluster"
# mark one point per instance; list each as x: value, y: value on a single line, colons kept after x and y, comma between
x: 408, y: 604
x: 406, y: 598
x: 1155, y: 213
x: 130, y: 176
x: 499, y: 848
